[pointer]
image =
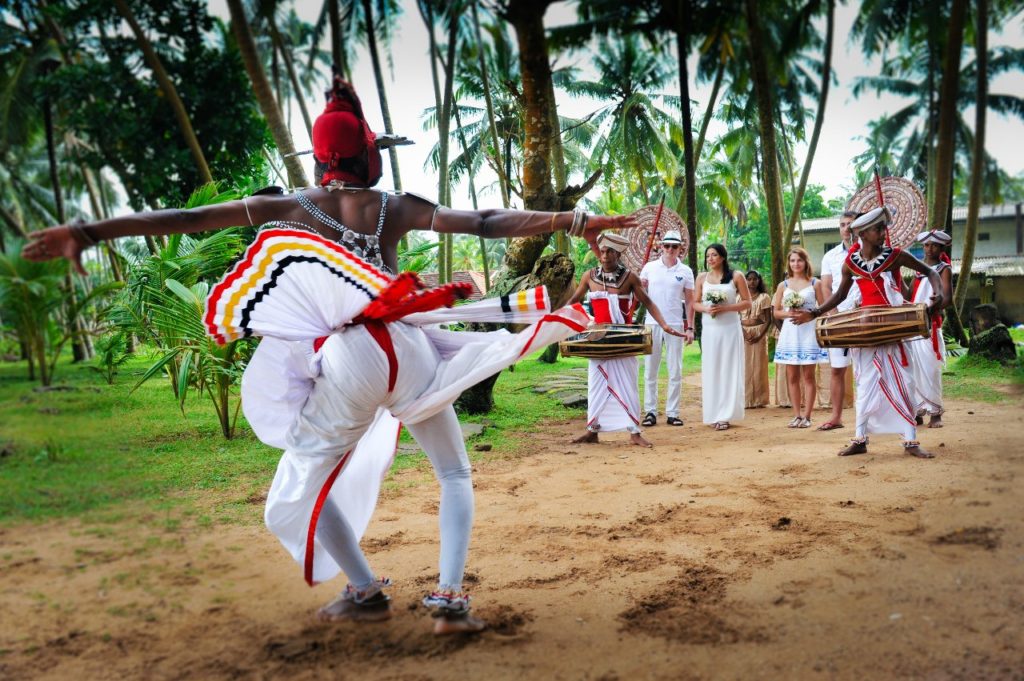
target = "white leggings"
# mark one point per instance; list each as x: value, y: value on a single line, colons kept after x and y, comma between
x: 441, y: 438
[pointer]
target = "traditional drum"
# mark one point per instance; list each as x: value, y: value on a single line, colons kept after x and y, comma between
x: 874, y: 325
x: 608, y: 341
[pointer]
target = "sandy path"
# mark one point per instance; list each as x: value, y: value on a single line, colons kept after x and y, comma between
x: 590, y: 562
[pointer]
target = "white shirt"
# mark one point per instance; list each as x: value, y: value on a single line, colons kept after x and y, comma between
x: 832, y: 264
x: 665, y: 286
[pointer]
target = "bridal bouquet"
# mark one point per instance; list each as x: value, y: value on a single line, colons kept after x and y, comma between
x: 714, y: 297
x: 792, y: 300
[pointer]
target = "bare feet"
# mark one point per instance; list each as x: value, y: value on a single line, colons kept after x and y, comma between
x: 854, y: 448
x: 589, y: 436
x: 935, y: 421
x: 638, y: 440
x: 463, y: 624
x: 918, y: 452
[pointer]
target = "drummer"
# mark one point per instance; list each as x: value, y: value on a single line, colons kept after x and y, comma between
x: 613, y: 402
x: 885, y: 390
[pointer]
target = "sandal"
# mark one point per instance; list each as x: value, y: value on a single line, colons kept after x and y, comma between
x: 649, y: 420
x: 804, y: 423
x: 674, y: 421
x: 829, y: 425
x: 722, y: 425
x: 795, y: 423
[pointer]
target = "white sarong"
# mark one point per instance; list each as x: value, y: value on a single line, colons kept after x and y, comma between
x: 613, y: 400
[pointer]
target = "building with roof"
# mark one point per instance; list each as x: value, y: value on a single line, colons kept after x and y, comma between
x: 997, y: 273
x: 475, y: 279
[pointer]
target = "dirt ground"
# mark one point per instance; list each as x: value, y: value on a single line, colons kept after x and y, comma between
x: 753, y: 553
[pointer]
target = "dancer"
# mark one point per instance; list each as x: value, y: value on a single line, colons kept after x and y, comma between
x: 612, y: 400
x: 722, y: 294
x: 838, y: 358
x: 669, y: 283
x: 885, y: 402
x: 340, y: 361
x: 756, y: 322
x: 928, y: 355
x: 797, y: 348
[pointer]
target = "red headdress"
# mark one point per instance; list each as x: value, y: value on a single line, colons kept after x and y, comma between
x: 343, y: 141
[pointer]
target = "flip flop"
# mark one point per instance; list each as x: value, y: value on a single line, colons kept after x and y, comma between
x: 829, y: 425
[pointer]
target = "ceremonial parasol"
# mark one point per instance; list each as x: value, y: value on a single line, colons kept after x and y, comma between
x: 641, y: 248
x: 903, y: 199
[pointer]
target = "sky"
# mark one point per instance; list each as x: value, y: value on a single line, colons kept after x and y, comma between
x: 410, y: 91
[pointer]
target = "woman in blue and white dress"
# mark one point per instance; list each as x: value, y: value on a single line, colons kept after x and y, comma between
x: 798, y: 348
x: 722, y: 294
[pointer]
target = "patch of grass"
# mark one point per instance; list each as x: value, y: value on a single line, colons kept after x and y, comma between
x: 88, y: 446
x: 974, y: 378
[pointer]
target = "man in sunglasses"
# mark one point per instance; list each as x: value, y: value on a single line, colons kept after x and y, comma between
x: 669, y: 283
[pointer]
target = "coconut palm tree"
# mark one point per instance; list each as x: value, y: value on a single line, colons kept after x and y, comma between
x: 635, y: 130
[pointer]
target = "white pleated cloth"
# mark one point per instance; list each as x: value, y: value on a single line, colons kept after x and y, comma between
x: 317, y: 386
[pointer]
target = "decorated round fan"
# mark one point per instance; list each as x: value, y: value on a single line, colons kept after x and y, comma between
x: 905, y: 202
x: 292, y: 285
x: 640, y: 237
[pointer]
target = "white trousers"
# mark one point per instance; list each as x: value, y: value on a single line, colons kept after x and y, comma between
x: 652, y: 364
x: 340, y: 447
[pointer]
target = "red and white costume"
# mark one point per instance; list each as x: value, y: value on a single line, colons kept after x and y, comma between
x: 348, y: 354
x: 928, y: 355
x: 613, y: 400
x: 885, y: 387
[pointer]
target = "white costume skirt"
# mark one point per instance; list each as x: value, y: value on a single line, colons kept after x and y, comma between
x: 330, y: 387
x: 885, y: 390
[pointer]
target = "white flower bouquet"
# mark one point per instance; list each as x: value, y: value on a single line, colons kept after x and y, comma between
x: 714, y: 297
x: 792, y: 300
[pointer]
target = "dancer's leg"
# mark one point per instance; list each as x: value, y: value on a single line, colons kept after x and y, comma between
x: 441, y: 439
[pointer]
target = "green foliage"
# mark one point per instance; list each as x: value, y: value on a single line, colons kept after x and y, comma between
x: 30, y: 297
x: 111, y: 355
x: 107, y: 98
x: 975, y: 378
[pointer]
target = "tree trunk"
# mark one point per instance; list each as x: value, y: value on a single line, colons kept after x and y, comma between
x: 947, y: 116
x: 337, y: 40
x: 689, y: 158
x: 769, y: 147
x: 527, y: 18
x: 444, y: 129
x: 264, y: 96
x: 382, y: 96
x: 170, y: 92
x: 708, y: 112
x: 472, y: 193
x: 489, y: 102
x: 289, y: 65
x: 977, y: 159
x: 819, y: 119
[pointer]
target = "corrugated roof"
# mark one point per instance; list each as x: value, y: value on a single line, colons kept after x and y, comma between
x: 476, y: 279
x: 995, y: 266
x: 992, y: 212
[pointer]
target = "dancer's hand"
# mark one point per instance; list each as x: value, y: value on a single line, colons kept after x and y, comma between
x: 55, y: 242
x: 688, y: 335
x: 598, y: 223
x: 674, y: 332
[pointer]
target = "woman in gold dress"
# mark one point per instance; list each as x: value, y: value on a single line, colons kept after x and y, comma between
x: 756, y: 322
